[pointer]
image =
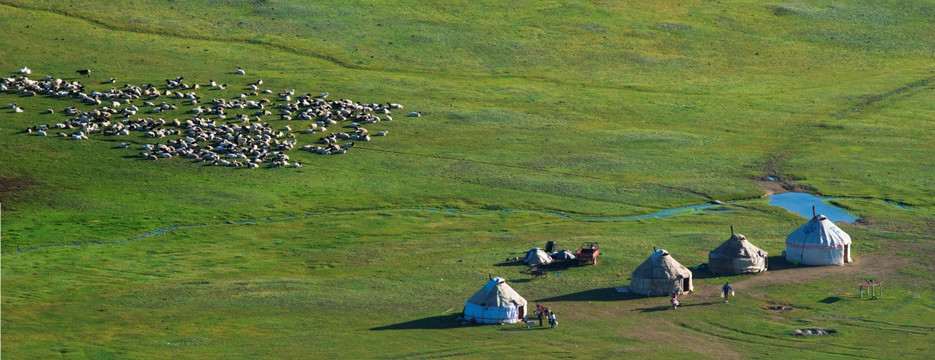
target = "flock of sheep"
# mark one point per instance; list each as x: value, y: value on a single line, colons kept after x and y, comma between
x: 214, y: 133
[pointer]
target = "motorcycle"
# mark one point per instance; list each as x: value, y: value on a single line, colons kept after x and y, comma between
x: 675, y: 302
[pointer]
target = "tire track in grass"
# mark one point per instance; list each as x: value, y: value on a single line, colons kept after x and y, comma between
x: 113, y: 27
x: 896, y: 328
x: 777, y: 338
x: 87, y: 270
x: 531, y: 169
x: 921, y: 327
x: 467, y: 352
x: 873, y: 99
x: 441, y: 157
x: 665, y: 213
x: 344, y: 64
x: 785, y: 345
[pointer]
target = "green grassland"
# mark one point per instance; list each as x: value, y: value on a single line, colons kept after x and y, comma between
x: 530, y: 110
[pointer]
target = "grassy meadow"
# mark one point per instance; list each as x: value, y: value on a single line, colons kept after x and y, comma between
x: 537, y: 116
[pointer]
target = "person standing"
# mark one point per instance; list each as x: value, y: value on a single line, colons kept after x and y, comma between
x: 552, y: 321
x: 727, y: 290
x: 540, y: 312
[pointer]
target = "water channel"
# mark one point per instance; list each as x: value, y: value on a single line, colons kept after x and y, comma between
x: 801, y: 203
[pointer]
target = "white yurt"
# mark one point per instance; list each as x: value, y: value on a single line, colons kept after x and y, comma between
x: 496, y: 303
x: 737, y: 256
x: 660, y: 275
x: 537, y: 257
x: 818, y: 242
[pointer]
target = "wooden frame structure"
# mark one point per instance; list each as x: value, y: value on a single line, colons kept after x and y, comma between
x: 872, y: 285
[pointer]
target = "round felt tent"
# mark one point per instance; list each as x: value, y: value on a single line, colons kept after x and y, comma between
x: 495, y: 303
x: 659, y: 275
x: 818, y: 242
x: 736, y: 256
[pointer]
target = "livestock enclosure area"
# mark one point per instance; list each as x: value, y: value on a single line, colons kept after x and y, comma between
x: 176, y: 202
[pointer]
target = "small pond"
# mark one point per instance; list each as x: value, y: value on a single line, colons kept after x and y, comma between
x: 801, y: 203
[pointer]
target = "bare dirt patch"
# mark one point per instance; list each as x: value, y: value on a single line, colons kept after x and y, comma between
x: 773, y: 181
x: 780, y: 185
x: 779, y: 307
x: 866, y: 266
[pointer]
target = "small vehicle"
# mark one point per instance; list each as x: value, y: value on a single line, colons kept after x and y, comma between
x: 675, y: 302
x: 536, y: 273
x: 588, y: 253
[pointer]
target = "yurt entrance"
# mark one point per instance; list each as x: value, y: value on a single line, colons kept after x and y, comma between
x: 522, y: 310
x: 847, y: 253
x: 686, y: 284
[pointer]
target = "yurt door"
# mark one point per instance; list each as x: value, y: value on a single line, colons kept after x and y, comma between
x: 847, y: 253
x: 519, y: 314
x: 686, y: 283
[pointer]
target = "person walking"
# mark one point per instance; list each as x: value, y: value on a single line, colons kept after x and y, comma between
x: 727, y: 291
x: 552, y: 321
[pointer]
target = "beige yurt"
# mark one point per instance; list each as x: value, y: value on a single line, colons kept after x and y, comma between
x: 736, y: 256
x: 537, y: 257
x: 495, y: 303
x: 660, y: 275
x: 818, y: 242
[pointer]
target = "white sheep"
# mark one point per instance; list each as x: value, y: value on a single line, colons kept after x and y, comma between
x: 241, y: 72
x: 25, y: 70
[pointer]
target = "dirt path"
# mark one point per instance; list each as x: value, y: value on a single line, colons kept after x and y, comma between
x: 866, y: 266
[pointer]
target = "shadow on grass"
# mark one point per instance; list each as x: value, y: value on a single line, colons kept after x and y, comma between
x: 510, y: 263
x: 605, y: 294
x: 546, y: 327
x: 703, y: 274
x: 449, y: 321
x: 779, y: 263
x: 773, y: 263
x: 669, y: 307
